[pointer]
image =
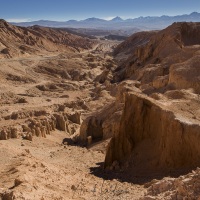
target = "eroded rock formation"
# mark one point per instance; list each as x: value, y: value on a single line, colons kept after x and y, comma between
x: 40, y: 126
x: 150, y: 131
x: 105, y: 124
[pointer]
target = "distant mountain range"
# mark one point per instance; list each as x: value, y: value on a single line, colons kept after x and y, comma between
x: 117, y: 23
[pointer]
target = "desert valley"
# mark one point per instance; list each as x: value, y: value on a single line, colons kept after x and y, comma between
x: 88, y: 118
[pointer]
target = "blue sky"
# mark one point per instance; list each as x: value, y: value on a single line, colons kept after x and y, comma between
x: 63, y: 10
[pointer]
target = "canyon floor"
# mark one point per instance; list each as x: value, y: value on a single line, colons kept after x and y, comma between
x: 45, y: 168
x: 98, y: 119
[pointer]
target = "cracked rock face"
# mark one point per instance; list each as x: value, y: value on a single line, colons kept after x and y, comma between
x: 149, y: 130
x: 159, y: 128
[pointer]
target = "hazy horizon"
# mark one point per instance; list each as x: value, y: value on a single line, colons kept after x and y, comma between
x: 64, y: 10
x: 107, y: 19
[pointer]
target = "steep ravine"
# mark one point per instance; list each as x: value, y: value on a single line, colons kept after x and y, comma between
x: 152, y: 137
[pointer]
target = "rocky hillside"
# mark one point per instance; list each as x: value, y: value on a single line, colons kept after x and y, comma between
x: 126, y: 48
x: 50, y: 81
x: 79, y: 121
x: 165, y: 64
x: 19, y: 41
x: 148, y: 51
x: 154, y: 131
x: 156, y: 110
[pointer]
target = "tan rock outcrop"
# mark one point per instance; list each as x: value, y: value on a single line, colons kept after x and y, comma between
x: 41, y: 126
x: 60, y: 122
x: 27, y: 136
x: 38, y: 132
x: 146, y: 55
x: 186, y: 75
x: 14, y: 132
x: 160, y: 81
x: 186, y: 186
x: 103, y: 76
x: 150, y: 131
x: 9, y: 132
x: 75, y: 117
x: 4, y: 135
x: 105, y: 124
x: 92, y: 126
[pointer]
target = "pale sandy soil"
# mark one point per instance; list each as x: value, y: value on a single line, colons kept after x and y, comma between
x: 48, y: 170
x: 45, y: 168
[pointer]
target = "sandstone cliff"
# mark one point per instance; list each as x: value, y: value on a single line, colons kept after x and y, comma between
x: 160, y: 130
x: 152, y: 136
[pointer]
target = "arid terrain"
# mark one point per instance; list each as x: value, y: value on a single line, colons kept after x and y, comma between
x: 84, y: 118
